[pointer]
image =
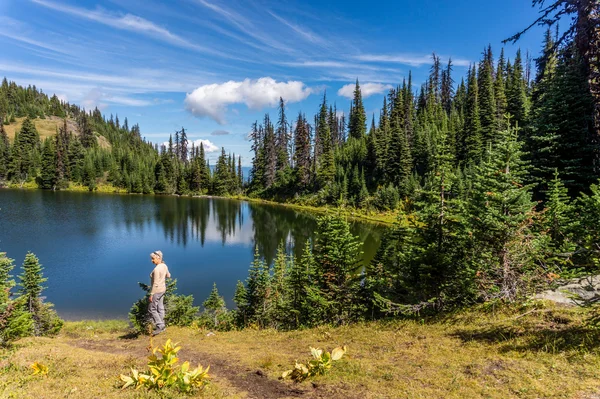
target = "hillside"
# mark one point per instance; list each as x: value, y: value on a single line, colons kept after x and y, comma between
x: 533, y: 352
x: 49, y: 126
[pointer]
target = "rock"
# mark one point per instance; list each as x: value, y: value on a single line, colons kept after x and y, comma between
x: 574, y: 292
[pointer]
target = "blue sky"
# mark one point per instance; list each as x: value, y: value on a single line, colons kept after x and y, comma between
x: 215, y: 66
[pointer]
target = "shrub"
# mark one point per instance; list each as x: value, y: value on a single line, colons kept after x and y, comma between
x: 163, y: 372
x: 319, y: 365
x: 179, y: 309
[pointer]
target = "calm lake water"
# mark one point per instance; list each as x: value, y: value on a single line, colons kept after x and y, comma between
x: 95, y: 247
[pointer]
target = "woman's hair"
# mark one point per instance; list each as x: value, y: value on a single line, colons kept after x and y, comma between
x: 157, y: 254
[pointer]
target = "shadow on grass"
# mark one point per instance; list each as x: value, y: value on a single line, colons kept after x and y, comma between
x: 535, y: 337
x: 130, y: 335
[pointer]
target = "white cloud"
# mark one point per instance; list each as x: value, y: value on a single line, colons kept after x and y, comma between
x: 212, y: 100
x: 412, y: 60
x: 207, y: 144
x: 219, y: 133
x: 366, y: 89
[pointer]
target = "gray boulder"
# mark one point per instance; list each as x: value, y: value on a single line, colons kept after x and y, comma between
x: 575, y: 292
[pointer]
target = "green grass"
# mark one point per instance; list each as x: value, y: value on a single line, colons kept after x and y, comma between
x: 388, y: 217
x: 508, y: 353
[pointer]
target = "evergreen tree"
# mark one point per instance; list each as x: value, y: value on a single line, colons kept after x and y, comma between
x: 326, y: 166
x: 337, y: 253
x: 472, y: 146
x: 257, y: 291
x: 222, y: 175
x: 215, y: 305
x: 4, y: 152
x: 45, y: 320
x: 24, y: 150
x: 302, y: 143
x: 516, y: 92
x: 500, y: 93
x: 15, y: 322
x: 48, y: 178
x: 240, y: 298
x: 304, y: 295
x: 501, y: 215
x: 282, y: 138
x: 487, y: 103
x: 561, y: 136
x: 358, y: 118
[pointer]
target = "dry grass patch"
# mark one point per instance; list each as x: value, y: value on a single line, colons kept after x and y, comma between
x: 48, y: 127
x: 548, y: 353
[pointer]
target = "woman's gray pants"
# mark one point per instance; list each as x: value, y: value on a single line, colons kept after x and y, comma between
x: 156, y: 308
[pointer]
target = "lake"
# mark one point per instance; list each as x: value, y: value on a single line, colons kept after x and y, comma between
x: 95, y: 248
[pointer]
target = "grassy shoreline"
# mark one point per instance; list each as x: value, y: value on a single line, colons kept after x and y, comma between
x: 386, y: 218
x: 534, y: 351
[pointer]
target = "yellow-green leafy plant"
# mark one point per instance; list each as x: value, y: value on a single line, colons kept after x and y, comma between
x: 39, y: 369
x: 163, y: 372
x: 319, y: 365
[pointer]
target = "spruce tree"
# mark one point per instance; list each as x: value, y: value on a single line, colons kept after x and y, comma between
x: 48, y: 178
x: 215, y: 305
x: 258, y: 290
x: 222, y: 175
x: 561, y: 136
x: 501, y: 215
x: 240, y: 298
x: 282, y: 138
x: 326, y: 166
x: 45, y: 320
x: 302, y: 157
x: 15, y: 321
x: 337, y: 253
x: 473, y: 141
x: 303, y: 290
x: 487, y: 102
x: 500, y: 93
x: 358, y: 118
x: 516, y: 93
x: 4, y: 152
x: 26, y: 144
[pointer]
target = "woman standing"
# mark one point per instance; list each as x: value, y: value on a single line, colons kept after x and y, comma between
x: 156, y: 306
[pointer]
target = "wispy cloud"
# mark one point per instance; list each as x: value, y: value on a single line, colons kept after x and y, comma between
x: 303, y: 32
x: 220, y: 133
x: 132, y: 23
x: 406, y: 59
x: 246, y: 26
x: 212, y: 100
x: 366, y: 89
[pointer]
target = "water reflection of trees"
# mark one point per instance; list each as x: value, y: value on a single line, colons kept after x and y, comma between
x: 186, y: 220
x: 273, y: 225
x: 189, y: 219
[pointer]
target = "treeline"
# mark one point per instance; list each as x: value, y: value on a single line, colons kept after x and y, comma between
x: 89, y: 149
x: 491, y: 246
x: 331, y: 162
